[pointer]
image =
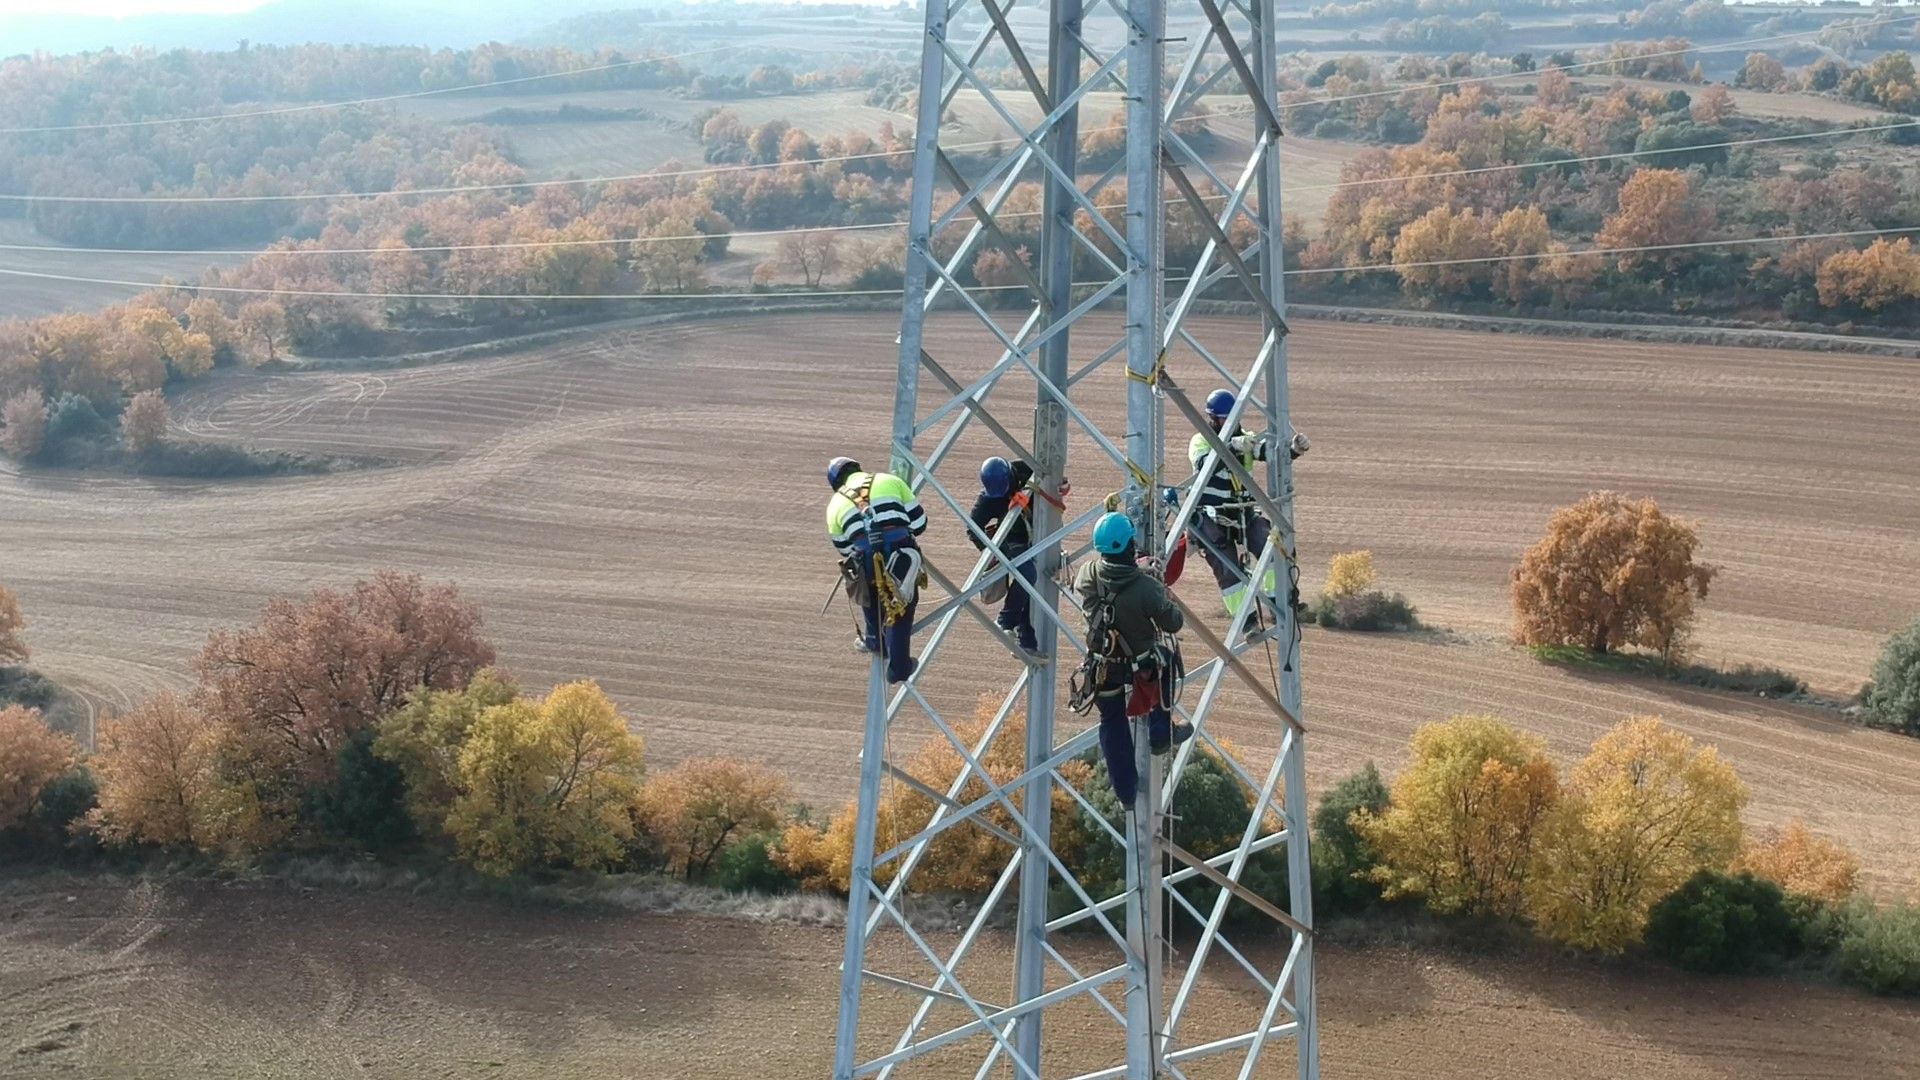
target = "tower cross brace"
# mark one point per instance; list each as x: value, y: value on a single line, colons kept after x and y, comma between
x: 1170, y: 207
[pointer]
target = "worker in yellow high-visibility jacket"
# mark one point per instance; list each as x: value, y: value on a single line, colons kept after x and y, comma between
x: 875, y: 522
x: 1229, y: 525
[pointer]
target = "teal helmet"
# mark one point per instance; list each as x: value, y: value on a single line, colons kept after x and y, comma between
x: 1113, y: 534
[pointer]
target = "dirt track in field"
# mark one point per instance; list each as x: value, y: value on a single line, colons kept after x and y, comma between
x: 155, y: 980
x: 641, y: 507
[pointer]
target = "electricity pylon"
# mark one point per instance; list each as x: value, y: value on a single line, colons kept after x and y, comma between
x: 1140, y: 957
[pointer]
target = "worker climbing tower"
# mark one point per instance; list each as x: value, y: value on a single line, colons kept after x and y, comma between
x: 1086, y: 179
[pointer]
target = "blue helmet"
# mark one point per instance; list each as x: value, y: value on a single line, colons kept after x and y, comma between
x: 839, y: 469
x: 996, y: 477
x: 1220, y: 403
x: 1113, y: 534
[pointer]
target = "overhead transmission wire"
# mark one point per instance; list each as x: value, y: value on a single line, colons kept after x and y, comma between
x: 345, y: 294
x: 869, y: 226
x: 317, y: 106
x: 824, y: 160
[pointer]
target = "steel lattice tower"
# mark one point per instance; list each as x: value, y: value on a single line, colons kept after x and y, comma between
x: 1037, y: 73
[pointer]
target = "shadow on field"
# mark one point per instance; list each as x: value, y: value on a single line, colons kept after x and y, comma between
x: 1771, y: 710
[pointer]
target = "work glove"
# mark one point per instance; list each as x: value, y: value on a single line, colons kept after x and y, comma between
x: 1299, y: 445
x: 1240, y: 444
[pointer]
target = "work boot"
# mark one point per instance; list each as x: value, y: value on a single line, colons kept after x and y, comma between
x: 866, y: 644
x: 913, y: 665
x: 1180, y: 733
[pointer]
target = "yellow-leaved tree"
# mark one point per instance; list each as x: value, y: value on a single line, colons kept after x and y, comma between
x: 1645, y: 810
x: 698, y: 807
x: 547, y: 783
x: 1467, y: 814
x: 424, y: 737
x: 1800, y: 861
x: 1350, y: 573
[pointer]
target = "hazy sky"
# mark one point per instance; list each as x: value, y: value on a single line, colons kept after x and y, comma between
x: 127, y: 7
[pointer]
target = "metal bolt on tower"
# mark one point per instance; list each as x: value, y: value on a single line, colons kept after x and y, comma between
x: 1188, y: 136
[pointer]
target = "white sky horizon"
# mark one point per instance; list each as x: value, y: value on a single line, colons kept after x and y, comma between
x: 123, y: 8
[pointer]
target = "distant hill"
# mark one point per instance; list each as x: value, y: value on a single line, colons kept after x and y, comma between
x: 291, y: 22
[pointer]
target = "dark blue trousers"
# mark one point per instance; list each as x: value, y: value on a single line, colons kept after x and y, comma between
x: 898, y: 643
x: 1116, y: 743
x: 1017, y: 613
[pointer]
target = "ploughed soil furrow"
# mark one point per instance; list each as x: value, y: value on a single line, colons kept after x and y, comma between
x: 642, y: 507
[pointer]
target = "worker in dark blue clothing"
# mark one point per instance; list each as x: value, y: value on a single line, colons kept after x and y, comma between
x: 1006, y: 498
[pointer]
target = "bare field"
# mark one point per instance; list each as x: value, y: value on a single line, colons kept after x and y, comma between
x: 640, y: 506
x: 161, y: 981
x: 28, y: 298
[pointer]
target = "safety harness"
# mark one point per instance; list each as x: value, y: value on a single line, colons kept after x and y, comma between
x: 885, y: 589
x: 1108, y: 665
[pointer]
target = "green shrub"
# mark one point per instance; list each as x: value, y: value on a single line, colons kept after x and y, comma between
x: 1368, y: 611
x: 1723, y: 922
x: 747, y: 865
x: 1212, y: 809
x: 1880, y: 949
x: 1892, y: 699
x: 66, y: 800
x: 1341, y: 857
x: 366, y: 805
x: 71, y: 416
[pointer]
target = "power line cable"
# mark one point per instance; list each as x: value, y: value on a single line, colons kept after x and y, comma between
x: 719, y: 169
x: 804, y: 229
x: 833, y: 293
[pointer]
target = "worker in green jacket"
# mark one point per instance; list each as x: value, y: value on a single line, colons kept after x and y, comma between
x: 1127, y: 612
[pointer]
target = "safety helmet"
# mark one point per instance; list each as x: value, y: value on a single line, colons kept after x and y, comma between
x: 996, y: 477
x: 1113, y: 534
x: 839, y: 469
x: 1220, y: 403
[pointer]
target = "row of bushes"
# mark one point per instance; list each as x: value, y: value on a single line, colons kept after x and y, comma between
x: 370, y: 720
x: 1640, y: 846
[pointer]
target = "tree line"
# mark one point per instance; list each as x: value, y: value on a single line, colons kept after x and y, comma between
x: 372, y: 720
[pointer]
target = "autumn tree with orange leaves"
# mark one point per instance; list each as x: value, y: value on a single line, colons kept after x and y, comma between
x: 288, y: 692
x: 23, y: 425
x: 31, y: 757
x: 157, y: 769
x: 1884, y: 273
x: 693, y: 810
x: 965, y: 859
x: 144, y: 422
x: 1657, y: 208
x: 1801, y: 861
x: 1610, y: 572
x: 1443, y: 254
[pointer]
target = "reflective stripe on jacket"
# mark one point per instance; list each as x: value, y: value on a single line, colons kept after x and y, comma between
x: 1219, y: 486
x: 892, y: 515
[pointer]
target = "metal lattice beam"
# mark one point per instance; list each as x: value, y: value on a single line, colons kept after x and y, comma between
x: 1083, y: 272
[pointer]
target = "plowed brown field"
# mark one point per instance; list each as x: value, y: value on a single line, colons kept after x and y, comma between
x: 170, y: 982
x: 641, y: 507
